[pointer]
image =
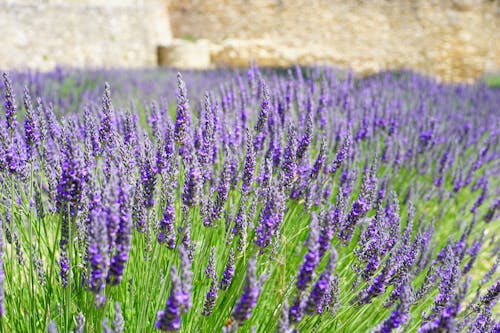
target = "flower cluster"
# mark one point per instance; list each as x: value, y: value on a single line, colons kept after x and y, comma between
x: 289, y: 201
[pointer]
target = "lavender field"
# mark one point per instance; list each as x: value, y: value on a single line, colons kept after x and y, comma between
x: 248, y: 200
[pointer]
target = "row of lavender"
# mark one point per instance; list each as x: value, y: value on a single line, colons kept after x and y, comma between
x: 291, y: 201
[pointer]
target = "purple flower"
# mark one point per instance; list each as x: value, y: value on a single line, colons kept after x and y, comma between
x: 296, y: 311
x: 311, y: 258
x: 289, y: 165
x: 305, y: 141
x: 374, y: 288
x: 98, y: 252
x: 192, y: 186
x: 183, y: 116
x: 342, y: 154
x: 361, y: 206
x: 320, y: 160
x: 315, y: 301
x: 31, y: 136
x: 284, y: 321
x: 167, y: 228
x: 265, y: 109
x: 148, y: 177
x: 228, y: 273
x: 210, y: 270
x: 106, y: 122
x: 123, y: 235
x: 399, y: 315
x: 330, y: 223
x: 248, y: 300
x: 271, y: 217
x: 221, y: 197
x: 169, y: 319
x: 210, y: 297
x: 9, y: 104
x: 118, y: 321
x: 488, y: 217
x: 249, y: 168
x: 70, y: 187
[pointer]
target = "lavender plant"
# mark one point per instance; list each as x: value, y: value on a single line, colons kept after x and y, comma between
x: 248, y: 201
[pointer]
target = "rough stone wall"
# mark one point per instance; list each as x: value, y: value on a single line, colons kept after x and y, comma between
x: 82, y: 33
x: 455, y: 40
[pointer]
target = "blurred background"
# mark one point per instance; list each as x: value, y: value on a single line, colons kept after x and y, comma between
x: 452, y: 40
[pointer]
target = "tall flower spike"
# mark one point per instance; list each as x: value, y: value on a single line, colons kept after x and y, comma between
x: 192, y: 186
x: 284, y: 321
x: 210, y: 270
x: 169, y: 319
x: 98, y: 253
x: 265, y: 108
x: 182, y: 117
x: 289, y: 165
x: 271, y: 216
x: 106, y: 122
x: 105, y: 326
x: 9, y: 104
x: 320, y: 160
x: 118, y: 321
x: 359, y: 207
x: 311, y: 258
x: 320, y: 288
x: 210, y: 297
x: 342, y: 154
x: 123, y: 235
x: 228, y: 274
x: 31, y: 136
x: 166, y: 226
x: 248, y: 300
x: 329, y: 223
x: 296, y: 311
x: 80, y: 323
x: 305, y: 141
x: 399, y: 316
x: 250, y: 162
x: 222, y: 194
x: 148, y: 175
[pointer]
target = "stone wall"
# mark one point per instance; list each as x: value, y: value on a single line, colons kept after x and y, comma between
x: 82, y: 33
x: 455, y: 40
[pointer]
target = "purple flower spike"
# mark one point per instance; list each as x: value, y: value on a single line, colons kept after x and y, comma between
x: 167, y: 228
x: 98, y: 252
x: 250, y: 162
x: 9, y: 104
x: 399, y: 316
x: 341, y: 154
x: 31, y: 135
x: 169, y: 319
x: 290, y: 158
x: 192, y: 187
x: 183, y: 117
x: 305, y: 141
x: 228, y: 274
x: 123, y: 235
x: 318, y: 292
x: 248, y: 300
x: 311, y: 258
x: 106, y: 123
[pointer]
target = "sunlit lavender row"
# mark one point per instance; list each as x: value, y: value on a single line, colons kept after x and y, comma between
x: 258, y: 200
